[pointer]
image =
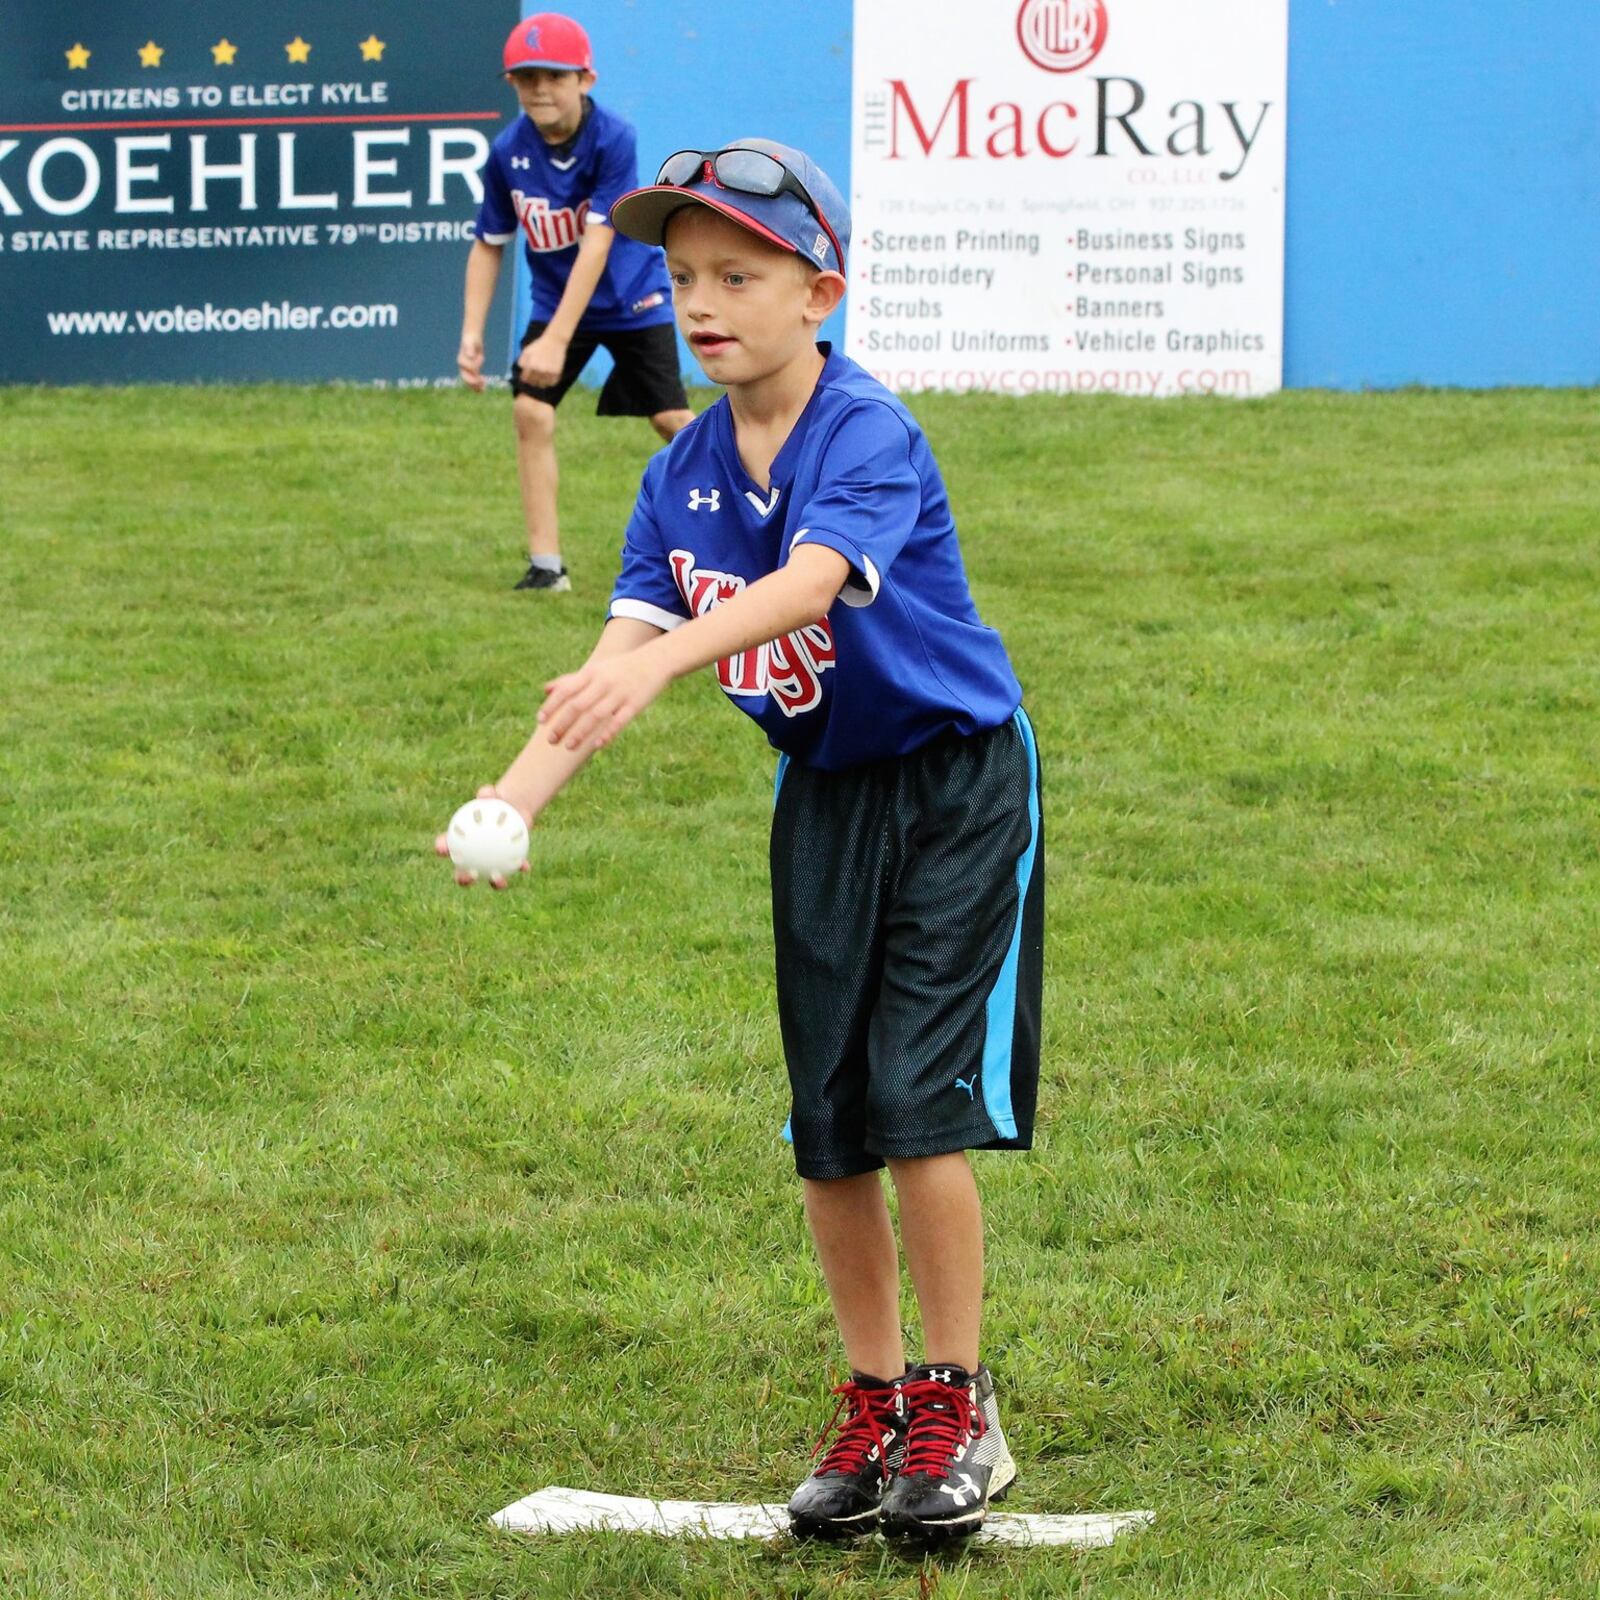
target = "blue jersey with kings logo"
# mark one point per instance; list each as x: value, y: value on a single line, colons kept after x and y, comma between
x: 902, y: 656
x: 548, y: 193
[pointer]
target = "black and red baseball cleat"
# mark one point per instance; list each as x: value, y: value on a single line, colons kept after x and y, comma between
x: 955, y: 1461
x: 841, y: 1497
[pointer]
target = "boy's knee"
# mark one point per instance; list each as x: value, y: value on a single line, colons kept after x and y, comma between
x: 536, y: 421
x: 669, y: 424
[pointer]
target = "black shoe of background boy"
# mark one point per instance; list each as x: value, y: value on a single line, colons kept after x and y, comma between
x: 840, y: 1499
x: 537, y: 577
x: 955, y: 1460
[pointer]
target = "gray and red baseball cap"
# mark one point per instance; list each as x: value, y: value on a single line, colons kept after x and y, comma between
x: 551, y: 41
x: 777, y: 192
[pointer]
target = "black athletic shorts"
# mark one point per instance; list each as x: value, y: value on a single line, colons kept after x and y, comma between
x: 645, y: 379
x: 908, y: 919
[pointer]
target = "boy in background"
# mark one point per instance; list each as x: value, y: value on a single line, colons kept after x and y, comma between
x: 552, y: 176
x: 797, y: 537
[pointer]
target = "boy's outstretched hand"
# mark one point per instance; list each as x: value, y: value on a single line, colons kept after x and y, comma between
x: 441, y: 844
x: 585, y: 710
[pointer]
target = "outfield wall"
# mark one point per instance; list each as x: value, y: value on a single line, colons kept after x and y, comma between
x: 293, y: 200
x: 1444, y: 193
x: 1443, y: 211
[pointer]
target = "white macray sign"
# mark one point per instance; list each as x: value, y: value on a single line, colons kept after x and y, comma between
x: 1069, y: 195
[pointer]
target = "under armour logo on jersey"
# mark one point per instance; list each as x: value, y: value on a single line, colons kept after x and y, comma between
x: 765, y: 507
x: 967, y: 1084
x: 711, y: 501
x: 520, y: 161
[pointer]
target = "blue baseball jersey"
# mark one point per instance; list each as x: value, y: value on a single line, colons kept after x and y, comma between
x: 902, y: 656
x: 550, y: 193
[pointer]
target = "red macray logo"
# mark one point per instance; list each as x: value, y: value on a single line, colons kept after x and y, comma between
x: 1062, y: 35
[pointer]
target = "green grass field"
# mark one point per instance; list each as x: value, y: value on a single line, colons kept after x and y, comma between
x: 338, y: 1208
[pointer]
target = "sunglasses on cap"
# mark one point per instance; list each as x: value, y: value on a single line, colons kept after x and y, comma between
x: 743, y: 171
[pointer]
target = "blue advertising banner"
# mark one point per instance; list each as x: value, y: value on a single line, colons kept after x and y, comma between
x: 241, y: 192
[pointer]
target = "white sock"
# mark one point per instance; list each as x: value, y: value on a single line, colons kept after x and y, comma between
x: 545, y: 563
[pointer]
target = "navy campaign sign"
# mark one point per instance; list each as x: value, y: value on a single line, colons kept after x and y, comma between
x: 241, y: 192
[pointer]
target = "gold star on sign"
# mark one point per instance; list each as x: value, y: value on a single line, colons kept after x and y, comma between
x: 222, y: 53
x: 297, y: 49
x: 150, y: 54
x: 78, y: 58
x: 372, y: 48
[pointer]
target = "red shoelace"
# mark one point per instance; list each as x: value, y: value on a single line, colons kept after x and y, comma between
x: 942, y: 1416
x: 870, y: 1421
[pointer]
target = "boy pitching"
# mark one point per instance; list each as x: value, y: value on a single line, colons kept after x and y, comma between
x: 797, y: 537
x: 552, y: 176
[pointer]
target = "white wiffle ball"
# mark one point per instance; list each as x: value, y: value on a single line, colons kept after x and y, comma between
x: 488, y: 837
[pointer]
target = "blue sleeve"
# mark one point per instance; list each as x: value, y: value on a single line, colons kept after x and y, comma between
x: 497, y: 217
x: 868, y: 498
x: 646, y: 589
x: 619, y: 172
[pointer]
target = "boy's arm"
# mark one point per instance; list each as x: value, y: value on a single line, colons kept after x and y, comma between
x: 588, y: 708
x: 483, y: 272
x: 542, y: 769
x: 541, y: 363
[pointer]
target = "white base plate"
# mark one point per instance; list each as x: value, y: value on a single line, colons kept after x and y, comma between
x: 556, y: 1510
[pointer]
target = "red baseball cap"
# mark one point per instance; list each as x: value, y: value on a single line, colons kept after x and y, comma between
x: 551, y: 41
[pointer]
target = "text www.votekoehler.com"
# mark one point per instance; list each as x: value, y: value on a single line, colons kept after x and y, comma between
x: 267, y: 317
